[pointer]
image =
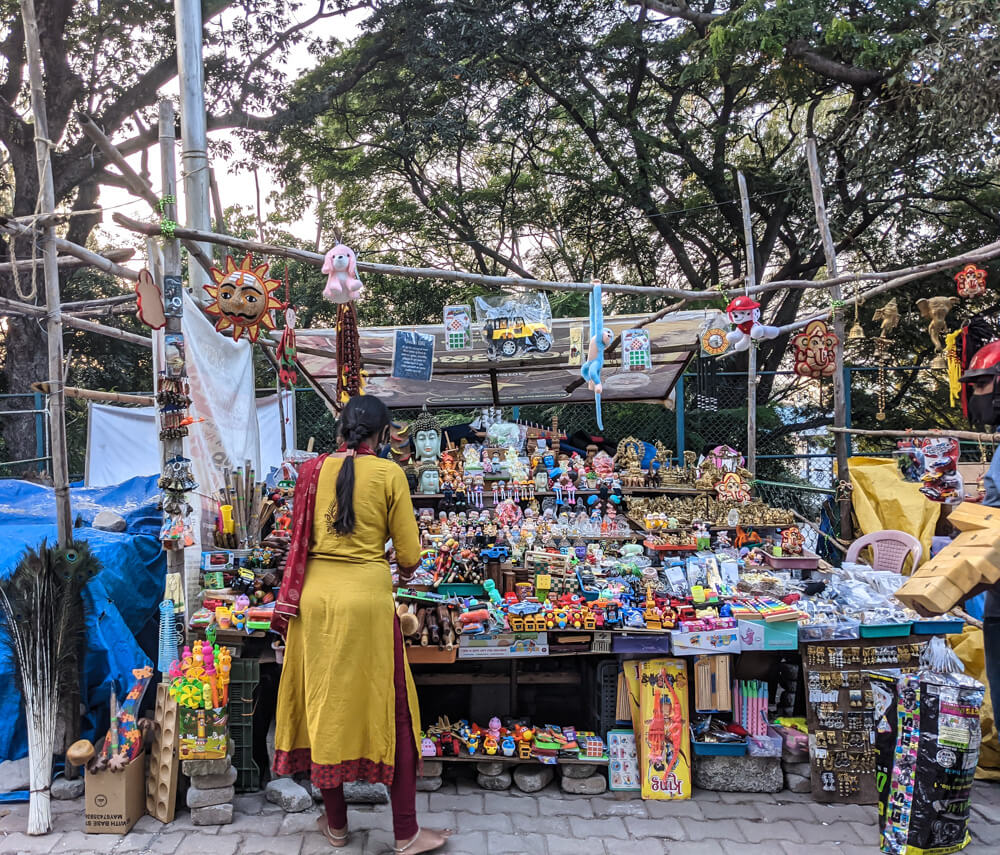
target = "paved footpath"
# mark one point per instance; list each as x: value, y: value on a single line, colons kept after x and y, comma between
x: 549, y: 823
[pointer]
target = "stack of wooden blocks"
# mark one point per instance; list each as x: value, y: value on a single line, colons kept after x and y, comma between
x: 967, y: 566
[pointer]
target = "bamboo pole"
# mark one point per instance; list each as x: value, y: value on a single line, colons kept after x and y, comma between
x: 17, y: 307
x: 92, y: 258
x: 67, y: 262
x: 57, y: 403
x: 839, y: 380
x: 752, y: 351
x: 891, y: 278
x: 136, y: 183
x: 903, y: 434
x: 100, y: 397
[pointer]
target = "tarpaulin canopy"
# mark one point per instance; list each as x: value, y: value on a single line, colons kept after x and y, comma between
x: 120, y: 601
x: 468, y: 378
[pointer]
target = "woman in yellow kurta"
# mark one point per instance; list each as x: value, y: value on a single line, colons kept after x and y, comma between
x: 347, y: 709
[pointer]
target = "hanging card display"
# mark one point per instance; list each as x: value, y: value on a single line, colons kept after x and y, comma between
x: 636, y: 351
x: 713, y: 336
x: 576, y: 345
x: 457, y: 327
x: 515, y: 325
x: 413, y: 356
x: 623, y: 762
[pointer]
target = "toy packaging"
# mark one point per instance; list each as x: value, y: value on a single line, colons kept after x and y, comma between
x: 658, y: 690
x: 513, y: 326
x: 623, y: 762
x: 927, y: 735
x: 203, y: 734
x: 636, y: 351
x: 457, y: 327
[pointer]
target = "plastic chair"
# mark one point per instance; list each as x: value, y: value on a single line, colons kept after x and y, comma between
x: 889, y: 550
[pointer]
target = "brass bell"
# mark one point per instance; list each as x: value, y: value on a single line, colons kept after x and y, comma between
x: 856, y: 333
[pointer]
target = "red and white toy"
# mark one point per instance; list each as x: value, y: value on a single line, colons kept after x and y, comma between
x: 342, y: 284
x: 744, y: 312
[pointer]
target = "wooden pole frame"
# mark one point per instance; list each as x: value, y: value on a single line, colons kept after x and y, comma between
x: 752, y: 351
x: 47, y: 206
x: 839, y: 377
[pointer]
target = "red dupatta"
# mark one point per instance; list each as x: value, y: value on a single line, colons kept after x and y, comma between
x: 303, y: 512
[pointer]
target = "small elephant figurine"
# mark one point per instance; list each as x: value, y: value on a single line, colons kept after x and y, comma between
x: 342, y: 284
x: 888, y: 315
x: 936, y: 309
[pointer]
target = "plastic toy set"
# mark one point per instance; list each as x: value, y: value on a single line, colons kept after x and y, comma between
x: 517, y: 739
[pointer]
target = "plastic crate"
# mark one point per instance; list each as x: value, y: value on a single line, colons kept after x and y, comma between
x: 885, y: 630
x: 605, y: 697
x: 719, y: 749
x: 940, y: 626
x: 243, y: 681
x: 247, y: 771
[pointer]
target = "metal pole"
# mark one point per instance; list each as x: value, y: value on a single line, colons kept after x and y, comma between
x: 194, y: 131
x: 39, y: 431
x: 839, y: 388
x: 47, y: 205
x: 679, y: 416
x: 752, y: 352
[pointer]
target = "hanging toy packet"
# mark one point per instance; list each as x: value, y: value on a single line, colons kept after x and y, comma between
x: 927, y: 738
x: 942, y: 481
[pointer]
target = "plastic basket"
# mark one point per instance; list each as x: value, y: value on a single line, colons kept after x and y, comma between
x: 766, y: 746
x: 247, y: 771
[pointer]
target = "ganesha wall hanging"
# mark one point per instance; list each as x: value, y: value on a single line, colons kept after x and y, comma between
x: 815, y: 351
x: 971, y: 281
x: 243, y: 298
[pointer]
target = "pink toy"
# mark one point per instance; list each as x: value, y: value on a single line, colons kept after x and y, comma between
x: 571, y: 493
x: 744, y: 312
x: 342, y: 284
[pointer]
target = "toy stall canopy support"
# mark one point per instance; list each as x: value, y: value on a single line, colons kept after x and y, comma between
x: 467, y: 378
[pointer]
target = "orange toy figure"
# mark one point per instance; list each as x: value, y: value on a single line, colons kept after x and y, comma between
x: 224, y: 668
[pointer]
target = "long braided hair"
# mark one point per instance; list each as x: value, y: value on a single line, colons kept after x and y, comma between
x: 364, y: 420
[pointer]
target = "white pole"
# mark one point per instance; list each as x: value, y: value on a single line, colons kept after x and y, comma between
x: 194, y: 132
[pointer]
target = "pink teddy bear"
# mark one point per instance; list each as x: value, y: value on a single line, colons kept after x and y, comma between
x: 342, y: 284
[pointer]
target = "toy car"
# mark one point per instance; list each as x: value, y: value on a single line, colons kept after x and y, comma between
x: 509, y: 335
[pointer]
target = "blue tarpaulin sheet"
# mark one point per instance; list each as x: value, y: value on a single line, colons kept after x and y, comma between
x: 120, y: 601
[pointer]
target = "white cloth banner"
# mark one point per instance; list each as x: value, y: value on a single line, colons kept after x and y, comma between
x: 122, y: 441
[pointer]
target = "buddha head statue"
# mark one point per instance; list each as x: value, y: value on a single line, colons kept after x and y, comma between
x: 426, y: 433
x: 429, y: 480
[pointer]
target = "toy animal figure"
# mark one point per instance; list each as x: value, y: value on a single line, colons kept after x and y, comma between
x: 600, y: 339
x: 744, y: 313
x: 889, y: 317
x: 342, y: 284
x: 936, y: 309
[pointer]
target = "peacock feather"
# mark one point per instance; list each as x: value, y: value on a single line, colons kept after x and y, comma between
x: 42, y: 612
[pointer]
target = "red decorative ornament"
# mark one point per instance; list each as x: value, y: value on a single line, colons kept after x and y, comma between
x: 815, y: 350
x: 971, y: 281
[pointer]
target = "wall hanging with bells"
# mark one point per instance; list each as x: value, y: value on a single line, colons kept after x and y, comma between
x: 888, y: 315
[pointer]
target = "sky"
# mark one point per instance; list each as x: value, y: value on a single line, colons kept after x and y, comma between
x: 235, y: 186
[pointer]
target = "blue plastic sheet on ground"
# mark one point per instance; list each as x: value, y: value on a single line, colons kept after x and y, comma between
x: 121, y: 600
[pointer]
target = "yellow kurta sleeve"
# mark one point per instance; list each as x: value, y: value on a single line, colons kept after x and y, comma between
x: 402, y: 524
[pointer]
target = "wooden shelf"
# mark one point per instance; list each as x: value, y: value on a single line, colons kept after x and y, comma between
x: 516, y: 761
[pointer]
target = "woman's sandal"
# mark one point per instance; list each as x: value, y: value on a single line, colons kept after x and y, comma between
x: 338, y: 841
x: 400, y: 850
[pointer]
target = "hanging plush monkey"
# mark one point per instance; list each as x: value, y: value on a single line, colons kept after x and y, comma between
x: 600, y: 339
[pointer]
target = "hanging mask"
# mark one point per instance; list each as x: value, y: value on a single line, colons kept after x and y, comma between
x: 243, y: 298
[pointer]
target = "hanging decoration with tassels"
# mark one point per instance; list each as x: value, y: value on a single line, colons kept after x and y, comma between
x: 288, y: 374
x: 350, y: 376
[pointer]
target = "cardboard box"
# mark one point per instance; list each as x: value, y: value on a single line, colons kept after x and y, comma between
x: 760, y: 635
x: 115, y: 800
x: 503, y: 645
x: 705, y: 641
x: 970, y: 516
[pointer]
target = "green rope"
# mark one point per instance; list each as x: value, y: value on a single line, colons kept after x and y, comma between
x: 168, y: 227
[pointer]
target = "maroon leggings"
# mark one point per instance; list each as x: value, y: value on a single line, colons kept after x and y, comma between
x: 403, y: 790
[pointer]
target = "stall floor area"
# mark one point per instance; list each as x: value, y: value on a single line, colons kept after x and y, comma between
x: 548, y: 823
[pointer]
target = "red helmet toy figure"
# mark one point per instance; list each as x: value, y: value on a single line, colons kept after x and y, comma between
x: 744, y: 312
x: 982, y: 373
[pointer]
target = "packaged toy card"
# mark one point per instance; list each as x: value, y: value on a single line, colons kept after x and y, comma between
x: 941, y: 480
x: 203, y: 734
x: 636, y: 353
x: 662, y: 729
x: 623, y: 762
x: 515, y: 325
x: 457, y: 327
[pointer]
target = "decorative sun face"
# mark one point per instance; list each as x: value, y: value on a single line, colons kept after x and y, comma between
x: 244, y: 298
